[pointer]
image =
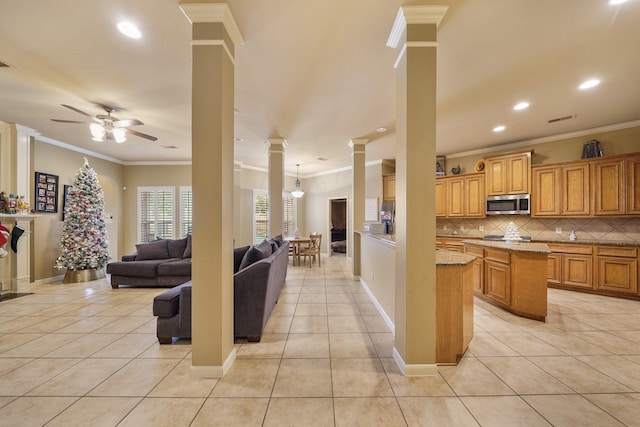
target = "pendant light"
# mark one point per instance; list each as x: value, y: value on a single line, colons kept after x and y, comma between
x: 298, y: 192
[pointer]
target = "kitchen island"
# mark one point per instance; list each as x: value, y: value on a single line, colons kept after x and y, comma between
x: 454, y: 292
x: 511, y: 275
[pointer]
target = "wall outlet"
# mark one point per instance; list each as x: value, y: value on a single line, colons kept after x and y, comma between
x: 481, y: 228
x: 444, y: 227
x: 558, y: 230
x: 461, y: 227
x: 372, y: 277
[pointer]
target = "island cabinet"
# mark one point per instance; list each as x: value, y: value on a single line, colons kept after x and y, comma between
x: 514, y: 276
x: 561, y: 190
x: 508, y: 173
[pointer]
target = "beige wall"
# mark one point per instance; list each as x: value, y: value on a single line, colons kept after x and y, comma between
x: 142, y: 176
x: 47, y: 229
x: 613, y: 142
x: 378, y: 273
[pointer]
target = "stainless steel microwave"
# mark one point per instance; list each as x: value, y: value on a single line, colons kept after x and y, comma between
x: 516, y: 204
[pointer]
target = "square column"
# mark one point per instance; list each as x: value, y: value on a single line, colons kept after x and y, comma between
x: 357, y: 196
x: 276, y: 185
x: 215, y: 35
x: 414, y: 35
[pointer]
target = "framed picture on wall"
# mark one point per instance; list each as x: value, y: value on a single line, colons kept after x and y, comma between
x: 46, y: 193
x: 441, y: 166
x: 65, y: 196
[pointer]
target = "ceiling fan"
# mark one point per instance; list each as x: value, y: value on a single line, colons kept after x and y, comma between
x: 105, y: 126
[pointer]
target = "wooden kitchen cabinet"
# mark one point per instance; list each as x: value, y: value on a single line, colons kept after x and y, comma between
x: 441, y: 198
x: 477, y: 267
x: 461, y: 195
x: 554, y: 264
x: 497, y: 276
x: 617, y: 269
x: 633, y: 184
x: 508, y: 173
x: 389, y: 188
x: 561, y: 190
x: 570, y: 266
x: 608, y: 187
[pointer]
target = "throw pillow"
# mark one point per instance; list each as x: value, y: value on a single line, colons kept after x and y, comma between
x: 274, y: 245
x: 157, y: 249
x: 265, y: 247
x: 187, y: 250
x: 177, y: 247
x: 252, y: 255
x: 279, y: 240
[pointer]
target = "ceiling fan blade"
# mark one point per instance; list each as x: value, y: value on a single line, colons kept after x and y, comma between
x: 142, y: 135
x: 76, y: 110
x: 68, y: 121
x: 126, y: 123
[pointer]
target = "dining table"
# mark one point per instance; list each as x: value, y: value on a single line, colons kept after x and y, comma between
x: 296, y: 243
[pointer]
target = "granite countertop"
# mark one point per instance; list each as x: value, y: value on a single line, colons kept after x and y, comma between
x: 547, y: 240
x: 515, y: 247
x: 444, y: 257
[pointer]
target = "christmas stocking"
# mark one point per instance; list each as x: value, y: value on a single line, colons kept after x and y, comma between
x: 4, y: 237
x: 15, y: 235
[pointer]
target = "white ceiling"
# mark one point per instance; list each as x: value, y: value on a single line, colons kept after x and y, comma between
x: 318, y: 73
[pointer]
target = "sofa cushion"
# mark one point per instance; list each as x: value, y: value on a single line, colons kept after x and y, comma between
x: 187, y: 249
x: 177, y: 247
x: 265, y: 247
x: 252, y: 255
x: 158, y: 249
x: 179, y: 267
x: 238, y: 255
x: 279, y: 240
x: 167, y: 303
x: 147, y: 268
x: 274, y: 245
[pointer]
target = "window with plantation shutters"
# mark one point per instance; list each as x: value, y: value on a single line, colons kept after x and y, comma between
x: 156, y: 213
x: 290, y: 215
x: 260, y: 215
x: 186, y: 211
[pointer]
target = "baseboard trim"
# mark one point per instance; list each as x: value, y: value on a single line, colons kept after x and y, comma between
x: 214, y: 371
x: 386, y: 318
x: 421, y: 370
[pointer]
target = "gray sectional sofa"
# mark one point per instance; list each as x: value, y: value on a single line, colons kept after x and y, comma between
x: 160, y: 263
x: 259, y: 273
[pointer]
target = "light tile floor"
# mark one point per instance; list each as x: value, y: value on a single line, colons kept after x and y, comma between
x: 84, y: 354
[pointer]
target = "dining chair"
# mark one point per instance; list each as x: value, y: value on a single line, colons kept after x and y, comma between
x: 313, y: 249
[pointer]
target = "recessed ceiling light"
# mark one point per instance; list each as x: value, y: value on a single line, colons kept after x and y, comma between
x: 499, y: 128
x: 238, y: 139
x: 129, y: 29
x: 588, y: 84
x: 381, y: 129
x: 521, y: 106
x: 616, y: 2
x: 322, y: 159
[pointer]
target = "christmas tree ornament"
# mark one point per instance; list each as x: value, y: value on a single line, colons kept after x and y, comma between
x: 84, y: 241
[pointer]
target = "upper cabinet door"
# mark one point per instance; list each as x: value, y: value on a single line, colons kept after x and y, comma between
x: 633, y: 185
x: 441, y: 198
x: 546, y: 195
x: 575, y: 190
x: 474, y: 188
x: 608, y: 187
x: 496, y: 178
x: 389, y: 188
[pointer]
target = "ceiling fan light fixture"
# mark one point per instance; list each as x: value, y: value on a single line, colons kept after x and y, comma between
x: 97, y: 131
x: 119, y: 135
x: 298, y: 191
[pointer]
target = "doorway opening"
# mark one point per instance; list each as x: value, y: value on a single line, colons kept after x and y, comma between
x: 338, y: 226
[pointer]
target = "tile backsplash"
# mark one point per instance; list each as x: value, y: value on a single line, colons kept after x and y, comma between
x: 602, y: 229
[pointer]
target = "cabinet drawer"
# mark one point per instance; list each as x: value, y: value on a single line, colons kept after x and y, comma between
x: 617, y: 251
x: 497, y: 256
x: 474, y: 250
x: 571, y: 249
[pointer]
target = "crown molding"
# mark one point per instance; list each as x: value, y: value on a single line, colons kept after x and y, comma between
x: 418, y: 14
x: 213, y: 12
x: 536, y: 141
x: 70, y: 147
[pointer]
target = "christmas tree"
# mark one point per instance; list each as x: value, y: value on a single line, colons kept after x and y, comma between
x: 84, y: 239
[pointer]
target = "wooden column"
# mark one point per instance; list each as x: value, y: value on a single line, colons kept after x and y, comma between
x: 414, y: 35
x: 215, y: 35
x: 276, y: 185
